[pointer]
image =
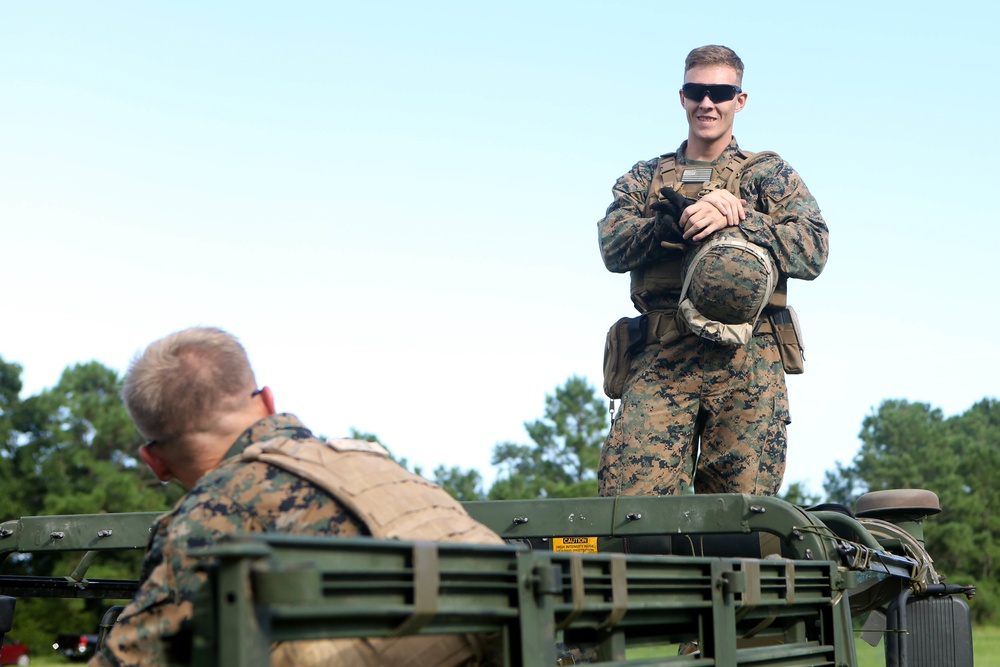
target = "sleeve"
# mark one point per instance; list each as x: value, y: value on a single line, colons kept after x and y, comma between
x: 169, y: 581
x: 785, y: 218
x: 153, y: 613
x: 628, y: 239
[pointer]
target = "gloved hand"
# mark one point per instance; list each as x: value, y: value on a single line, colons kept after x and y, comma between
x: 672, y: 203
x: 668, y: 214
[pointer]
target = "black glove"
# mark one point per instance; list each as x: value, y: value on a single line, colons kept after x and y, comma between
x: 672, y: 203
x: 668, y: 214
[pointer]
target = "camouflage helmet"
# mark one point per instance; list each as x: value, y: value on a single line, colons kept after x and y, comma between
x: 727, y: 282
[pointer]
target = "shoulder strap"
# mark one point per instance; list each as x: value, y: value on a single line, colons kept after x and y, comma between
x: 739, y: 164
x: 666, y: 165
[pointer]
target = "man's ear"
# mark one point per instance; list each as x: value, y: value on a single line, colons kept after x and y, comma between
x: 268, y: 397
x: 741, y: 101
x: 152, y: 458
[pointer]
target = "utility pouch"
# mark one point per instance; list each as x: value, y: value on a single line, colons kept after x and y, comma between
x: 625, y: 338
x: 788, y: 335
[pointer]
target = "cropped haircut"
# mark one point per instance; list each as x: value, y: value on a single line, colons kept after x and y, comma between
x: 714, y: 54
x: 180, y: 382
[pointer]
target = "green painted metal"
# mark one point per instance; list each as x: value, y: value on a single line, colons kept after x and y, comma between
x: 626, y: 516
x: 741, y: 611
x: 87, y: 533
x: 76, y: 532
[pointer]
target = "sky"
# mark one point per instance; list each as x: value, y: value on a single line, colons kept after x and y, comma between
x: 394, y: 205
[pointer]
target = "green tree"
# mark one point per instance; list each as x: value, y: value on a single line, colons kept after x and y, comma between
x: 462, y: 484
x: 797, y: 495
x: 842, y: 485
x: 967, y: 547
x: 355, y: 434
x: 71, y: 450
x: 78, y: 448
x: 10, y: 390
x: 912, y: 445
x: 562, y: 461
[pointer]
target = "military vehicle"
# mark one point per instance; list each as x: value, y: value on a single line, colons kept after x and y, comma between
x: 694, y: 579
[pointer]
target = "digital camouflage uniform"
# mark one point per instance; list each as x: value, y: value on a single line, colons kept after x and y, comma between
x: 246, y: 497
x: 732, y: 397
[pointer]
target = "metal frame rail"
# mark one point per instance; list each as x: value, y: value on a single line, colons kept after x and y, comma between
x: 817, y: 538
x: 802, y: 534
x: 88, y: 533
x: 268, y: 588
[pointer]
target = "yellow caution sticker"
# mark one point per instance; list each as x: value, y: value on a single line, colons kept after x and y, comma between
x: 587, y: 545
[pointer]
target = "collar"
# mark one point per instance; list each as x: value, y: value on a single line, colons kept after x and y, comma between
x: 727, y: 154
x: 283, y: 425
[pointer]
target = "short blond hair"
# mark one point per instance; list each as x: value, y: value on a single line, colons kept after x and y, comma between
x: 713, y: 54
x: 180, y: 382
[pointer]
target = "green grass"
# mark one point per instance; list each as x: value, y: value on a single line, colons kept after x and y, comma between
x: 985, y: 649
x: 986, y: 646
x: 51, y: 661
x: 872, y: 656
x: 985, y: 639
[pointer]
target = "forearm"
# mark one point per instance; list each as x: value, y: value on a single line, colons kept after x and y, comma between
x: 627, y: 237
x: 627, y: 240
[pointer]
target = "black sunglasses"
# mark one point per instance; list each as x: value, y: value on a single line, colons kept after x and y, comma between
x: 717, y: 92
x: 152, y: 443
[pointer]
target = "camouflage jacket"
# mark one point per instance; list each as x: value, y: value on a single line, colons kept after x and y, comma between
x: 254, y: 497
x: 782, y: 216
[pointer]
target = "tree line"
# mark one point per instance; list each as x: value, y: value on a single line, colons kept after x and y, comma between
x: 71, y: 449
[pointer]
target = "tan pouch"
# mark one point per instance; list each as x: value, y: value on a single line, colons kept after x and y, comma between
x: 629, y: 335
x: 788, y: 335
x: 617, y: 355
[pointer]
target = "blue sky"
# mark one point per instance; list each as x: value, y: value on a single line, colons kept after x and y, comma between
x: 394, y: 205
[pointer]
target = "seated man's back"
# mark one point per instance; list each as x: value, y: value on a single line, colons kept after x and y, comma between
x: 248, y: 469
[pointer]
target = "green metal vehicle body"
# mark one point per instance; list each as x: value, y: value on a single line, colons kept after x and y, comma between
x: 746, y: 580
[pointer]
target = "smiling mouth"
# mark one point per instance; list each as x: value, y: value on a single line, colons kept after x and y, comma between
x: 707, y: 119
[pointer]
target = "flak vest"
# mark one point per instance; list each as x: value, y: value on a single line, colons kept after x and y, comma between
x: 657, y: 287
x: 662, y: 279
x: 394, y: 504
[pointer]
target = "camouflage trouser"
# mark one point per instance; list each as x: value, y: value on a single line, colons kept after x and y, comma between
x: 696, y: 403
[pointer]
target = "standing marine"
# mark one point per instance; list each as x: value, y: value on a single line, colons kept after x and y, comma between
x: 709, y: 235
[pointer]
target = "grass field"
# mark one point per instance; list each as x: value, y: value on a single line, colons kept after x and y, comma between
x: 985, y: 647
x: 986, y: 641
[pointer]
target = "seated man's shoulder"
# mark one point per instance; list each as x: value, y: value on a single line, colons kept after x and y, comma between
x: 256, y: 496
